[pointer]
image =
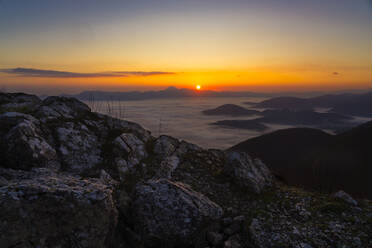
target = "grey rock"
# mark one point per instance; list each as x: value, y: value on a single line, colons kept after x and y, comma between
x: 18, y: 102
x: 214, y: 238
x: 79, y: 147
x: 22, y: 143
x: 171, y: 211
x: 247, y: 173
x: 55, y: 107
x: 131, y: 146
x: 167, y: 166
x: 47, y: 209
x: 233, y: 242
x: 165, y: 146
x: 345, y: 197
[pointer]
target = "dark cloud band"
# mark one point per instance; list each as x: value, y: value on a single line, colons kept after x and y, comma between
x: 29, y: 72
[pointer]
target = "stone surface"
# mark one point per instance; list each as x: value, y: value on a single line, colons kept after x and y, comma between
x: 43, y: 209
x: 89, y: 180
x: 247, y: 173
x: 345, y: 197
x: 172, y: 211
x: 22, y: 145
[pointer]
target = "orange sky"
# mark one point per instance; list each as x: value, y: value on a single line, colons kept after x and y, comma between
x: 222, y: 45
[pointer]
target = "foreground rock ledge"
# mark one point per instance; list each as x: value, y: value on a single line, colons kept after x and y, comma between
x: 73, y: 178
x: 44, y: 209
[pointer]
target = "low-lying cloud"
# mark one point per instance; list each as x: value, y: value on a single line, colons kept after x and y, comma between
x: 30, y: 72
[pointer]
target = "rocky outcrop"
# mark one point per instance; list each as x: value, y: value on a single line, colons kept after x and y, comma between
x: 73, y: 178
x: 342, y: 195
x: 22, y: 145
x: 171, y: 212
x: 247, y: 173
x: 18, y: 102
x: 41, y: 208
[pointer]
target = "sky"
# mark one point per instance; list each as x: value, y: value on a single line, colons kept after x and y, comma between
x: 54, y: 46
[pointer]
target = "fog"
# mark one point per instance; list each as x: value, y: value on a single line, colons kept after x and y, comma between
x: 182, y: 118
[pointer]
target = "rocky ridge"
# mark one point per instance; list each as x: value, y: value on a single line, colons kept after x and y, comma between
x: 73, y: 178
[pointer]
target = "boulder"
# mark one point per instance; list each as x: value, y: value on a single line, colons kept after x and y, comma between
x: 54, y: 107
x: 79, y: 147
x: 171, y: 212
x: 249, y: 174
x: 131, y: 147
x: 22, y: 143
x: 41, y: 208
x: 165, y: 146
x: 167, y: 166
x: 19, y: 102
x: 342, y: 195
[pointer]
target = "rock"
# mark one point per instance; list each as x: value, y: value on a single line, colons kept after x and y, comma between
x: 125, y: 126
x: 133, y: 147
x: 165, y: 146
x: 305, y: 245
x: 227, y: 221
x: 215, y: 239
x: 18, y: 102
x: 233, y: 242
x: 257, y: 235
x: 345, y: 197
x: 165, y: 210
x: 54, y: 107
x: 167, y: 166
x: 246, y: 173
x: 22, y: 143
x: 47, y: 209
x: 79, y: 147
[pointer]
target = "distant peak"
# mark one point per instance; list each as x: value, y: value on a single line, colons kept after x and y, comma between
x: 171, y: 88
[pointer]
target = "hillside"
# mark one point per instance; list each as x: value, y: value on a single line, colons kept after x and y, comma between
x: 70, y: 177
x: 348, y: 104
x: 230, y: 110
x: 315, y: 160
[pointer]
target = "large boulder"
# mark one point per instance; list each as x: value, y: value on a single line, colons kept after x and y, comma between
x: 249, y: 174
x: 171, y: 213
x: 55, y: 107
x: 22, y: 143
x: 79, y: 147
x: 43, y: 209
x: 131, y: 148
x: 18, y: 102
x: 165, y: 146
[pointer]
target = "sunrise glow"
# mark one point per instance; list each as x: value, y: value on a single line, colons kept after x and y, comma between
x: 228, y: 45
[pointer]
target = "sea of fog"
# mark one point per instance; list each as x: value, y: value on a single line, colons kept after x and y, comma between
x: 182, y: 118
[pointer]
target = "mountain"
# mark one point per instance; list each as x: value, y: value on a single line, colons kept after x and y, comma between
x: 349, y: 104
x: 331, y: 121
x: 316, y: 160
x: 70, y: 177
x: 230, y: 110
x: 170, y: 92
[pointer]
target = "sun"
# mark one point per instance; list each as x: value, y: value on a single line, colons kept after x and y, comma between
x: 198, y: 87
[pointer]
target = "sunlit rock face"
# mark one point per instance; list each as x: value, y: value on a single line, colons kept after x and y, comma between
x: 73, y: 178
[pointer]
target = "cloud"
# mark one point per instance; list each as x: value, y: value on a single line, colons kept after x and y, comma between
x: 30, y: 72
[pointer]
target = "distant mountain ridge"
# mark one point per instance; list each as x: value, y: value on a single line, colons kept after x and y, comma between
x: 170, y: 92
x: 349, y: 104
x: 230, y: 110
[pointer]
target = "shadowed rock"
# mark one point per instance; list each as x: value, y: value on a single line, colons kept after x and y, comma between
x: 46, y: 209
x: 172, y: 211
